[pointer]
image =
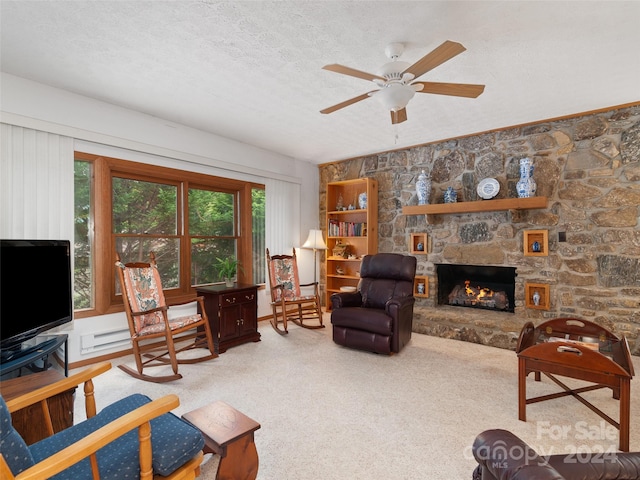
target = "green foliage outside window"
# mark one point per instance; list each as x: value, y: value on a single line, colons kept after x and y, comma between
x: 82, y: 264
x: 212, y: 230
x: 144, y: 207
x: 258, y: 232
x: 145, y: 219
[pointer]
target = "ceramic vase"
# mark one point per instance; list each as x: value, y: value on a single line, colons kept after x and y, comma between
x: 423, y: 188
x: 450, y: 195
x: 536, y: 298
x: 362, y: 200
x: 526, y: 186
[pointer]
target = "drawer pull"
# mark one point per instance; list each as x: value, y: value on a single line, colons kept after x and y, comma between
x: 230, y: 300
x: 249, y: 297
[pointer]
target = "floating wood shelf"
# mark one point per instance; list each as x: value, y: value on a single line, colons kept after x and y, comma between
x: 479, y: 206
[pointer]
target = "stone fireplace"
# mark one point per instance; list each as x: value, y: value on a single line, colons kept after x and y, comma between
x: 476, y: 286
x: 586, y: 166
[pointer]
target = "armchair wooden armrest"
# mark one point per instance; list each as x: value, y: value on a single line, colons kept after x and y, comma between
x: 138, y: 418
x: 86, y: 447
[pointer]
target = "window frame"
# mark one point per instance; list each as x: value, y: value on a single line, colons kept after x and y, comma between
x: 104, y: 169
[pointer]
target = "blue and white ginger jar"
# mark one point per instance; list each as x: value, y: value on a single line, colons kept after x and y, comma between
x: 362, y: 200
x: 526, y: 186
x: 450, y: 195
x: 423, y: 188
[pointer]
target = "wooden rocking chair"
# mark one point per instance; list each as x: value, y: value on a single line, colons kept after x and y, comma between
x: 147, y: 309
x: 287, y: 301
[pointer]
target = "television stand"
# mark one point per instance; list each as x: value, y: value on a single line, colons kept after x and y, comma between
x: 28, y: 355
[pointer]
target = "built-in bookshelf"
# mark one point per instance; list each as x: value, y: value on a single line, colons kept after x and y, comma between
x: 352, y: 221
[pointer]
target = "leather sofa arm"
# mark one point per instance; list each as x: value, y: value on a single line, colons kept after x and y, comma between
x: 340, y: 300
x: 502, y: 455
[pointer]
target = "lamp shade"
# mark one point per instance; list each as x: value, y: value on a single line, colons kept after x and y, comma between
x: 395, y: 96
x: 315, y: 240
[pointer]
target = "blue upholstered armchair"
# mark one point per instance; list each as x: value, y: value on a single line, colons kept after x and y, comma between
x: 132, y: 438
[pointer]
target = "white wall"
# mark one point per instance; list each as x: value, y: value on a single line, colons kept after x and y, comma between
x: 98, y: 127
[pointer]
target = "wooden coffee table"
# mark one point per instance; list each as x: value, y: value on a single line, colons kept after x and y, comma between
x: 229, y: 433
x: 554, y: 348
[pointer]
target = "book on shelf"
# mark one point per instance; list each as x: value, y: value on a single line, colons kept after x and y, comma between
x: 346, y: 229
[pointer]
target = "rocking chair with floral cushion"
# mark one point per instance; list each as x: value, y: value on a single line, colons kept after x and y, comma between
x: 287, y: 301
x: 149, y: 322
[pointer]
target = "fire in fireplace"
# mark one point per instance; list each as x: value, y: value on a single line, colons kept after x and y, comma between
x: 476, y: 286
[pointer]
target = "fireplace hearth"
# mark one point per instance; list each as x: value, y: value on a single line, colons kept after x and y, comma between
x: 476, y: 286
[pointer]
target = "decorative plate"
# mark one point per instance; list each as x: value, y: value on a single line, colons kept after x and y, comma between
x: 488, y: 188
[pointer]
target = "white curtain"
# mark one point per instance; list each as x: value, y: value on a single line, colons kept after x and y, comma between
x: 36, y: 184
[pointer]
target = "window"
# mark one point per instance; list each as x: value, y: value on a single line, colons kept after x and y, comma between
x: 83, y: 261
x: 188, y: 220
x: 212, y: 231
x: 258, y: 235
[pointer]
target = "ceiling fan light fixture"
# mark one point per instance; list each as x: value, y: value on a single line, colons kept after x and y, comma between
x: 393, y: 70
x: 395, y: 97
x: 393, y: 80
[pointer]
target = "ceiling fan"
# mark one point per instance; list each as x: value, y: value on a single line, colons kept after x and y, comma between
x: 395, y: 80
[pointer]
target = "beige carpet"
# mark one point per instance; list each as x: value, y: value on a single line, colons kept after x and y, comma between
x: 328, y: 412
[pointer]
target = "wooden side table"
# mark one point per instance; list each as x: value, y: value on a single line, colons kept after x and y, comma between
x: 229, y: 433
x: 232, y: 314
x: 557, y: 347
x: 29, y: 422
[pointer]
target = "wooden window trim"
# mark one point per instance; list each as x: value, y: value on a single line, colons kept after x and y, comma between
x: 104, y: 168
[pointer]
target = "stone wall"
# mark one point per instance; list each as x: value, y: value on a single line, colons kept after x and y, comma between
x: 588, y: 167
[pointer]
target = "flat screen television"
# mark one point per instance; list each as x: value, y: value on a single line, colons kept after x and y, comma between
x: 35, y: 289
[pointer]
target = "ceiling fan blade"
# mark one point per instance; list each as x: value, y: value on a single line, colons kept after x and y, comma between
x: 399, y: 116
x: 436, y: 57
x: 346, y: 103
x: 334, y: 67
x: 454, y: 89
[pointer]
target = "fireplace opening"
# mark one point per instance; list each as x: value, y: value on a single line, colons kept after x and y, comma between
x: 477, y: 286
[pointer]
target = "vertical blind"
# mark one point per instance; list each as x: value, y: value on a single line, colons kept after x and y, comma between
x: 282, y: 216
x: 36, y: 184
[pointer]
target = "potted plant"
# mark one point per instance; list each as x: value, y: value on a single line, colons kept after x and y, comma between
x: 227, y: 268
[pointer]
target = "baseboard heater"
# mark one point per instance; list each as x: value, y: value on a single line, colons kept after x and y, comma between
x: 107, y: 339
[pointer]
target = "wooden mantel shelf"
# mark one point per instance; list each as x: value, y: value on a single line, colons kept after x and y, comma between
x: 479, y: 206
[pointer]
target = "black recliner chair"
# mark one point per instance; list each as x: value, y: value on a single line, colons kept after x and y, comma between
x: 378, y: 317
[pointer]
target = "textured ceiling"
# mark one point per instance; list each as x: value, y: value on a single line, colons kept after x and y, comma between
x: 251, y: 70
